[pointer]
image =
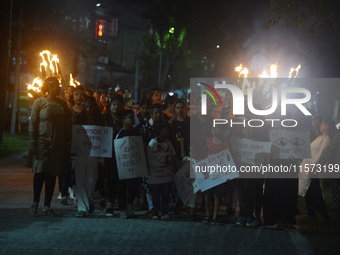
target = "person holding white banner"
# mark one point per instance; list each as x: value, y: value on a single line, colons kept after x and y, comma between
x: 160, y: 178
x: 215, y: 144
x: 127, y: 188
x: 86, y: 167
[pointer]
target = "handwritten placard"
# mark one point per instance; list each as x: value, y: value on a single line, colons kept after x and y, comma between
x: 130, y: 156
x: 245, y: 150
x: 216, y: 169
x: 91, y: 140
x: 290, y: 144
x: 160, y: 168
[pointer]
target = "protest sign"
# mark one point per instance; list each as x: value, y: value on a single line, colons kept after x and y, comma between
x: 160, y: 168
x: 216, y: 169
x: 184, y: 184
x: 91, y: 140
x: 130, y: 156
x: 290, y: 144
x: 245, y: 150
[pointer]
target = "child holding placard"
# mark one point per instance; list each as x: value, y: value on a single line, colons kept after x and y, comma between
x: 127, y: 188
x: 161, y: 155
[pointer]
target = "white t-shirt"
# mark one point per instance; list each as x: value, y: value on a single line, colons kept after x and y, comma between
x: 160, y: 147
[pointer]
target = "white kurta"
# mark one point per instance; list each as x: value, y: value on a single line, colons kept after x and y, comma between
x: 86, y: 171
x: 318, y: 149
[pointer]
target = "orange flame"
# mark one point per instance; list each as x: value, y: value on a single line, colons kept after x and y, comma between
x: 243, y: 71
x: 238, y: 68
x: 273, y: 70
x: 35, y: 86
x: 50, y: 61
x: 73, y: 81
x: 54, y: 64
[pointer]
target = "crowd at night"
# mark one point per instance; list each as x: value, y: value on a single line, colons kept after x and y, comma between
x: 192, y: 112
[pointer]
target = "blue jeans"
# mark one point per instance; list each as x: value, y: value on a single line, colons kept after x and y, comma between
x: 160, y: 194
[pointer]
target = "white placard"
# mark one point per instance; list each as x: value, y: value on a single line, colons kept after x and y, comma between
x: 290, y: 144
x: 91, y: 140
x: 160, y: 168
x: 130, y: 157
x: 221, y: 160
x: 245, y: 150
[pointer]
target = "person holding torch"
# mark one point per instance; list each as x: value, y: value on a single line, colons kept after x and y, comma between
x: 49, y: 137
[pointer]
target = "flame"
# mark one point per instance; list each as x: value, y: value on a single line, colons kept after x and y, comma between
x: 35, y: 86
x: 292, y: 70
x: 43, y: 66
x: 54, y: 64
x: 47, y: 53
x: 264, y: 74
x: 273, y: 70
x: 49, y: 60
x: 243, y: 71
x: 238, y: 68
x: 73, y: 81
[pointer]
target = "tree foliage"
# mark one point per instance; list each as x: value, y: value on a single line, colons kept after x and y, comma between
x: 186, y: 34
x: 312, y: 15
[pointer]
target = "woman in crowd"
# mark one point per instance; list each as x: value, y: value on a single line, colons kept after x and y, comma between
x: 143, y: 114
x: 50, y: 134
x: 110, y: 180
x: 66, y: 181
x: 333, y: 158
x: 86, y: 167
x: 178, y: 123
x: 309, y: 183
x: 168, y: 107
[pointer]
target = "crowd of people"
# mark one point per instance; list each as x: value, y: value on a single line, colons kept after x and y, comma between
x: 164, y: 125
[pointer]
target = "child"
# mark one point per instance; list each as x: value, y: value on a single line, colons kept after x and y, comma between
x: 160, y: 191
x: 127, y: 189
x: 215, y: 144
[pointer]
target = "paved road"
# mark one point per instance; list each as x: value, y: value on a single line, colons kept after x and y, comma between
x: 20, y: 233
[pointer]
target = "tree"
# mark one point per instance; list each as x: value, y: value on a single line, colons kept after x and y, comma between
x: 313, y: 15
x: 186, y: 33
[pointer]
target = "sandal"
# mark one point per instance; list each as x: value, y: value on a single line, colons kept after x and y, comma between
x: 34, y: 209
x: 49, y: 212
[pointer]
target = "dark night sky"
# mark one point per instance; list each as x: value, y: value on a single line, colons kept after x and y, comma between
x: 243, y: 38
x: 250, y: 43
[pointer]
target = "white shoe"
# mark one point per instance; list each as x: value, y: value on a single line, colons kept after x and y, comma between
x: 71, y: 192
x: 59, y: 197
x: 165, y: 217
